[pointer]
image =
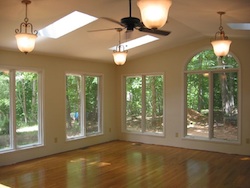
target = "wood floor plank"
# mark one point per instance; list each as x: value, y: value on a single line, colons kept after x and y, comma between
x: 125, y: 164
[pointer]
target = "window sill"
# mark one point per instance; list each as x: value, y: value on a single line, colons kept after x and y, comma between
x: 83, y: 137
x: 144, y: 133
x: 213, y: 140
x: 32, y: 146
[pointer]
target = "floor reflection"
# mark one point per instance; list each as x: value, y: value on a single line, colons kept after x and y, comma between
x: 197, y: 173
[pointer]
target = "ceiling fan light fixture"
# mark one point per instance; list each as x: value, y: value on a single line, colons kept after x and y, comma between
x: 25, y: 36
x: 120, y: 55
x: 154, y: 13
x: 221, y: 44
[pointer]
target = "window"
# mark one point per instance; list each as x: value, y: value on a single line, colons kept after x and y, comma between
x: 212, y: 90
x: 20, y: 109
x: 83, y: 105
x: 144, y: 104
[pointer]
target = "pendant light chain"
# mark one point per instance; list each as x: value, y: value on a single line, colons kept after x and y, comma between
x: 25, y: 25
x: 221, y: 27
x: 26, y: 19
x: 119, y: 30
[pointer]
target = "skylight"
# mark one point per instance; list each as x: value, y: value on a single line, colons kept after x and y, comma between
x: 66, y: 25
x: 239, y: 26
x: 137, y: 42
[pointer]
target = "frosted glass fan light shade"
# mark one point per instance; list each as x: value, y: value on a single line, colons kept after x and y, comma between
x: 221, y: 47
x: 154, y: 13
x: 26, y: 42
x: 120, y: 57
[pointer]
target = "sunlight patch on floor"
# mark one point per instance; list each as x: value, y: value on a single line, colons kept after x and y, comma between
x: 3, y: 186
x: 245, y: 159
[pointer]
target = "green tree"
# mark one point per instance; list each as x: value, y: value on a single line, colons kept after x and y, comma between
x: 26, y: 98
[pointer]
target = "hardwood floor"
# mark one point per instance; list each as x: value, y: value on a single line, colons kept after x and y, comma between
x: 125, y: 164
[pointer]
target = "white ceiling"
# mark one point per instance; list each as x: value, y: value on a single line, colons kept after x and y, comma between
x: 188, y: 21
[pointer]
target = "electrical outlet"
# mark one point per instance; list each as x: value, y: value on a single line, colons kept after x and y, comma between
x: 55, y: 140
x: 176, y: 135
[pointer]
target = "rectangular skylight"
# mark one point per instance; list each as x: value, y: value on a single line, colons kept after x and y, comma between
x: 239, y: 26
x: 137, y: 42
x: 66, y: 25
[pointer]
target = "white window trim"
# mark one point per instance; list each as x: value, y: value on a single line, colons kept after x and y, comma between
x: 210, y: 138
x: 123, y: 106
x: 100, y: 105
x: 13, y: 145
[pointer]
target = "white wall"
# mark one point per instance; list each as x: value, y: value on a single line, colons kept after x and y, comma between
x: 54, y: 102
x: 172, y: 63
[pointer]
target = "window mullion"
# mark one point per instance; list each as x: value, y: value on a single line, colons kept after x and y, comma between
x: 40, y: 110
x: 99, y: 105
x: 211, y: 106
x: 143, y: 119
x: 83, y: 107
x: 185, y: 104
x: 13, y: 143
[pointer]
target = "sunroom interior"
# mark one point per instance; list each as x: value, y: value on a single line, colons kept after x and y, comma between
x: 82, y: 54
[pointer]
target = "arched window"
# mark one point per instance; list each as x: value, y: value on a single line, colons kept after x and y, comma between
x: 211, y: 102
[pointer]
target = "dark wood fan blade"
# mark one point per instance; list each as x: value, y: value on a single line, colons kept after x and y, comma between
x: 154, y: 31
x: 108, y: 29
x: 112, y: 20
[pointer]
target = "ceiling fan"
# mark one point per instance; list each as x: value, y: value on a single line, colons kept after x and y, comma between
x: 130, y: 23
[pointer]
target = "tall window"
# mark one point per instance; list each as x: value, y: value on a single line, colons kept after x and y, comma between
x: 83, y: 105
x: 144, y: 104
x: 20, y: 109
x: 212, y: 97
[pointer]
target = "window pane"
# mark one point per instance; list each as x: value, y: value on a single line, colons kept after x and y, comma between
x: 207, y: 60
x: 222, y: 86
x: 92, y: 106
x: 154, y: 104
x: 225, y: 110
x: 4, y: 110
x: 197, y: 105
x: 133, y: 104
x: 73, y: 106
x: 26, y: 108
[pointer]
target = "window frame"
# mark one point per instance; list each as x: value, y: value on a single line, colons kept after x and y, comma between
x: 211, y: 73
x: 82, y: 123
x: 124, y: 102
x: 12, y: 109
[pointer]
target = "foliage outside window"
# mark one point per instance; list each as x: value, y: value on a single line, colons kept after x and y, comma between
x: 212, y: 108
x: 83, y: 105
x: 20, y: 110
x: 144, y: 104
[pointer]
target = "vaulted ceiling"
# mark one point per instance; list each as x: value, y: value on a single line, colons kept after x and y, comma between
x: 189, y: 20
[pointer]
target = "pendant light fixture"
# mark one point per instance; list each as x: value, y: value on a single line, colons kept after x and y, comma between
x: 221, y: 44
x: 120, y: 54
x: 25, y: 36
x: 154, y: 13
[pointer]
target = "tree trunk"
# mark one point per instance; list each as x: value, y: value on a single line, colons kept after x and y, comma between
x: 153, y: 98
x: 226, y: 94
x: 34, y: 100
